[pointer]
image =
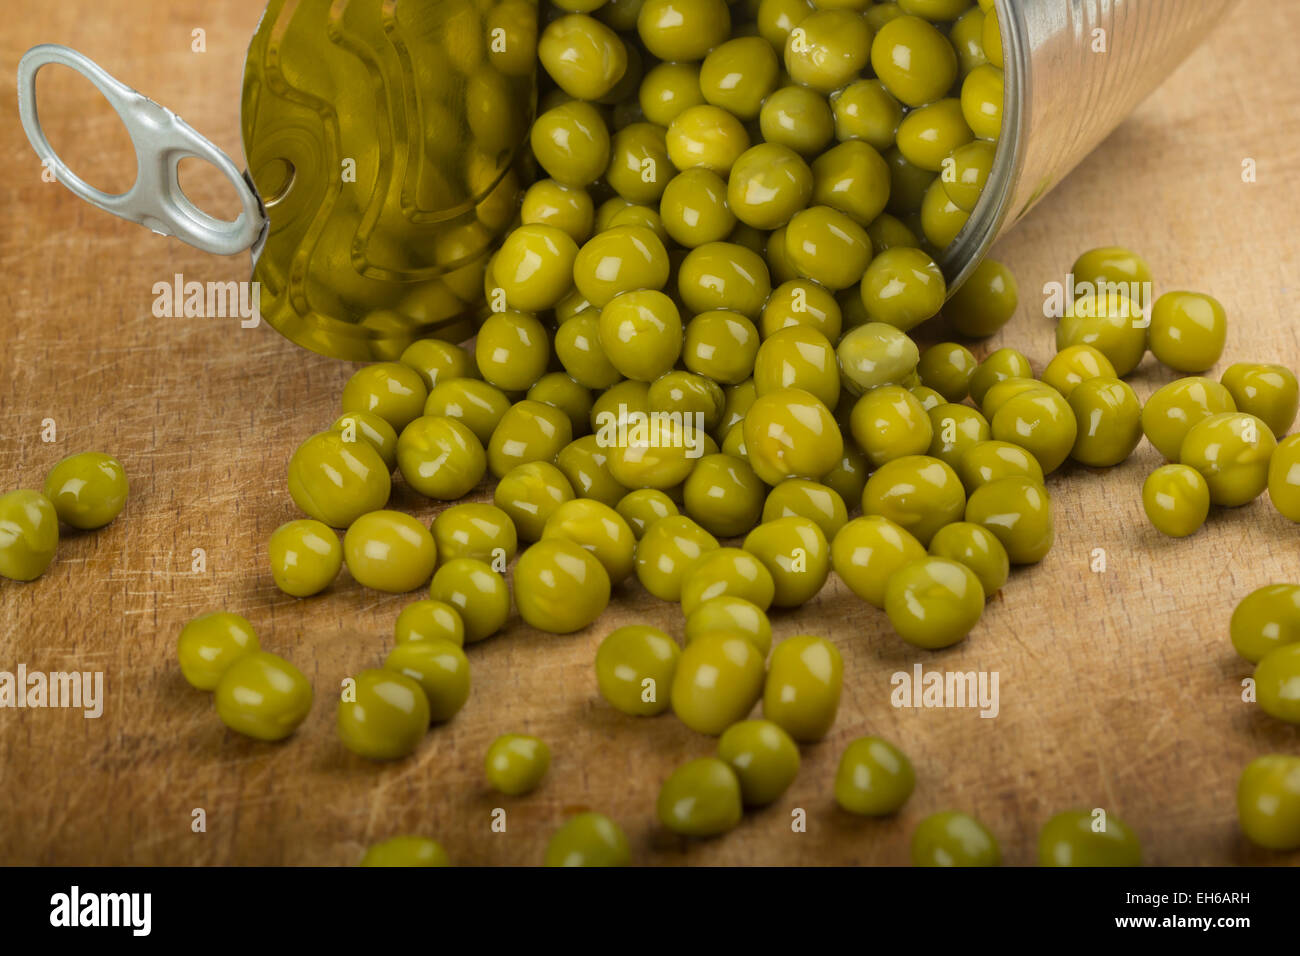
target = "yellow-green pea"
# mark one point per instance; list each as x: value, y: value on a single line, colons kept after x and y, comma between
x: 947, y: 368
x: 654, y: 453
x: 29, y: 534
x: 643, y: 507
x: 369, y: 427
x: 701, y: 798
x: 846, y: 479
x: 731, y: 614
x: 1019, y: 513
x: 529, y: 495
x: 440, y: 458
x: 889, y: 422
x: 394, y: 392
x: 990, y: 460
x: 956, y: 428
x: 983, y: 303
x: 799, y: 497
x: 384, y: 715
x: 981, y: 101
x: 1174, y: 408
x: 1043, y: 423
x: 724, y: 495
x: 1268, y: 802
x: 478, y: 593
x: 727, y: 571
x: 763, y: 757
x: 475, y: 530
x: 866, y: 553
x: 978, y: 549
x: 437, y: 361
x: 1176, y: 499
x: 474, y: 403
x: 874, y: 778
x: 802, y: 691
x: 1187, y: 331
x: 920, y: 493
x: 1088, y: 838
x: 934, y: 602
x: 1231, y: 450
x: 406, y: 851
x: 1277, y: 683
x: 560, y: 586
x: 562, y: 391
x: 440, y: 668
x: 1267, y: 618
x: 262, y: 696
x: 210, y: 643
x: 305, y: 557
x: 1284, y: 478
x: 998, y: 367
x: 88, y: 490
x: 516, y: 763
x: 1075, y: 364
x: 1112, y: 269
x: 953, y: 839
x: 336, y: 481
x: 512, y: 348
x: 429, y: 620
x: 584, y: 57
x: 1113, y: 325
x: 635, y: 665
x: 1109, y: 417
x: 597, y: 528
x: 669, y: 548
x: 1269, y: 392
x: 389, y: 551
x: 790, y: 433
x: 589, y: 839
x: 530, y: 431
x: 795, y: 552
x: 718, y: 680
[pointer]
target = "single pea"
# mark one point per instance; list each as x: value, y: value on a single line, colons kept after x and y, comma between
x: 888, y: 422
x: 668, y: 89
x: 888, y: 231
x: 874, y: 778
x: 210, y: 643
x: 475, y: 530
x: 721, y: 345
x: 551, y: 203
x: 262, y: 696
x: 389, y: 551
x: 966, y: 169
x: 620, y: 259
x: 768, y: 184
x: 1176, y: 499
x: 1284, y: 478
x: 584, y: 57
x: 667, y: 551
x: 1112, y: 269
x: 902, y: 287
x: 478, y: 594
x: 305, y: 557
x: 867, y: 111
x: 928, y: 397
x: 694, y: 208
x: 371, y: 429
x: 1075, y: 364
x: 406, y: 851
x: 635, y: 665
x: 516, y: 763
x: 934, y: 602
x: 797, y: 117
x: 335, y: 481
x: 654, y: 453
x: 683, y: 396
x: 560, y: 587
x: 802, y: 691
x: 571, y: 142
x: 588, y: 839
x: 437, y: 361
x: 854, y: 179
x: 739, y: 74
x: 706, y: 136
x: 1269, y: 392
x: 981, y: 101
x: 1231, y: 450
x: 1042, y: 422
x: 577, y: 346
x: 643, y: 507
x: 917, y: 492
x: 586, y: 464
x: 798, y: 497
x: 678, y: 31
x: 599, y: 529
x: 798, y: 357
x: 998, y: 367
x: 795, y: 552
x: 386, y: 714
x: 790, y: 433
x: 991, y: 39
x: 475, y: 404
x: 723, y: 495
x: 1113, y: 325
x: 639, y: 169
x: 954, y: 839
x: 947, y: 368
x: 29, y: 534
x: 733, y: 615
x: 978, y: 549
x: 1019, y: 513
x: 512, y: 348
x: 929, y: 134
x: 763, y: 757
x: 1088, y: 838
x: 866, y: 553
x: 440, y: 668
x: 955, y: 429
x: 915, y: 61
x: 701, y: 798
x: 1187, y: 331
x: 562, y: 391
x: 529, y: 494
x: 1266, y: 619
x: 827, y: 246
x: 730, y: 571
x: 828, y: 49
x: 721, y: 275
x: 718, y: 680
x: 1174, y: 408
x: 736, y: 405
x: 801, y: 302
x: 941, y: 218
x: 984, y: 302
x: 641, y: 334
x: 440, y: 458
x: 1277, y: 683
x: 429, y: 620
x: 529, y: 432
x: 1268, y: 802
x: 88, y: 490
x: 1109, y: 417
x: 776, y: 18
x: 875, y: 354
x: 394, y: 392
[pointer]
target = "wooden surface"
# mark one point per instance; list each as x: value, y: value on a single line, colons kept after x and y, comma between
x: 1118, y: 689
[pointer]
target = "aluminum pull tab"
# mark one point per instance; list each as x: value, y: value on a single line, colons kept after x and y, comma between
x: 161, y: 140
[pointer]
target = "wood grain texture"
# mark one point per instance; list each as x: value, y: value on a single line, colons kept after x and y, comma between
x: 1118, y: 689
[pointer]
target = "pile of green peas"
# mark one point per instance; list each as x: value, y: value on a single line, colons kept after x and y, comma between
x: 85, y: 491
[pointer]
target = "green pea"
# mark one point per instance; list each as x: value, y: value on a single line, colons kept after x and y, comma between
x: 669, y: 548
x: 1266, y: 619
x: 875, y: 354
x: 1176, y: 499
x: 874, y: 778
x: 796, y: 554
x: 733, y: 615
x: 600, y: 530
x: 988, y: 461
x: 474, y: 530
x: 1268, y: 802
x: 763, y: 757
x: 947, y: 368
x: 1277, y: 683
x: 1268, y: 392
x: 385, y: 716
x: 406, y: 851
x: 915, y: 61
x: 529, y: 431
x: 512, y: 348
x: 29, y: 535
x: 1231, y: 450
x: 589, y: 839
x: 438, y: 361
x: 798, y: 497
x: 718, y: 680
x: 529, y: 494
x: 902, y: 287
x: 394, y: 392
x: 475, y: 404
x: 336, y: 481
x: 305, y: 557
x: 262, y: 696
x: 889, y: 422
x: 868, y: 550
x: 478, y: 594
x: 643, y: 507
x: 88, y: 490
x: 802, y: 691
x: 1113, y: 325
x: 953, y: 839
x: 727, y: 571
x: 978, y: 549
x: 1187, y: 331
x: 724, y: 495
x: 983, y: 303
x: 440, y: 668
x: 934, y: 602
x: 560, y: 391
x: 1075, y: 364
x: 210, y: 643
x: 516, y: 763
x: 1174, y: 408
x: 1019, y: 513
x: 998, y: 367
x: 635, y: 665
x: 560, y: 586
x: 389, y: 551
x: 700, y: 799
x: 1043, y: 423
x: 1088, y: 838
x: 919, y: 493
x: 955, y: 429
x: 429, y: 620
x: 1284, y: 478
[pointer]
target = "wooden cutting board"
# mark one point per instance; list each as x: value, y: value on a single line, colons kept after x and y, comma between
x: 1118, y: 688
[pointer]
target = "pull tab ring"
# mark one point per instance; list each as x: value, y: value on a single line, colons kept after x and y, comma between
x: 161, y: 140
